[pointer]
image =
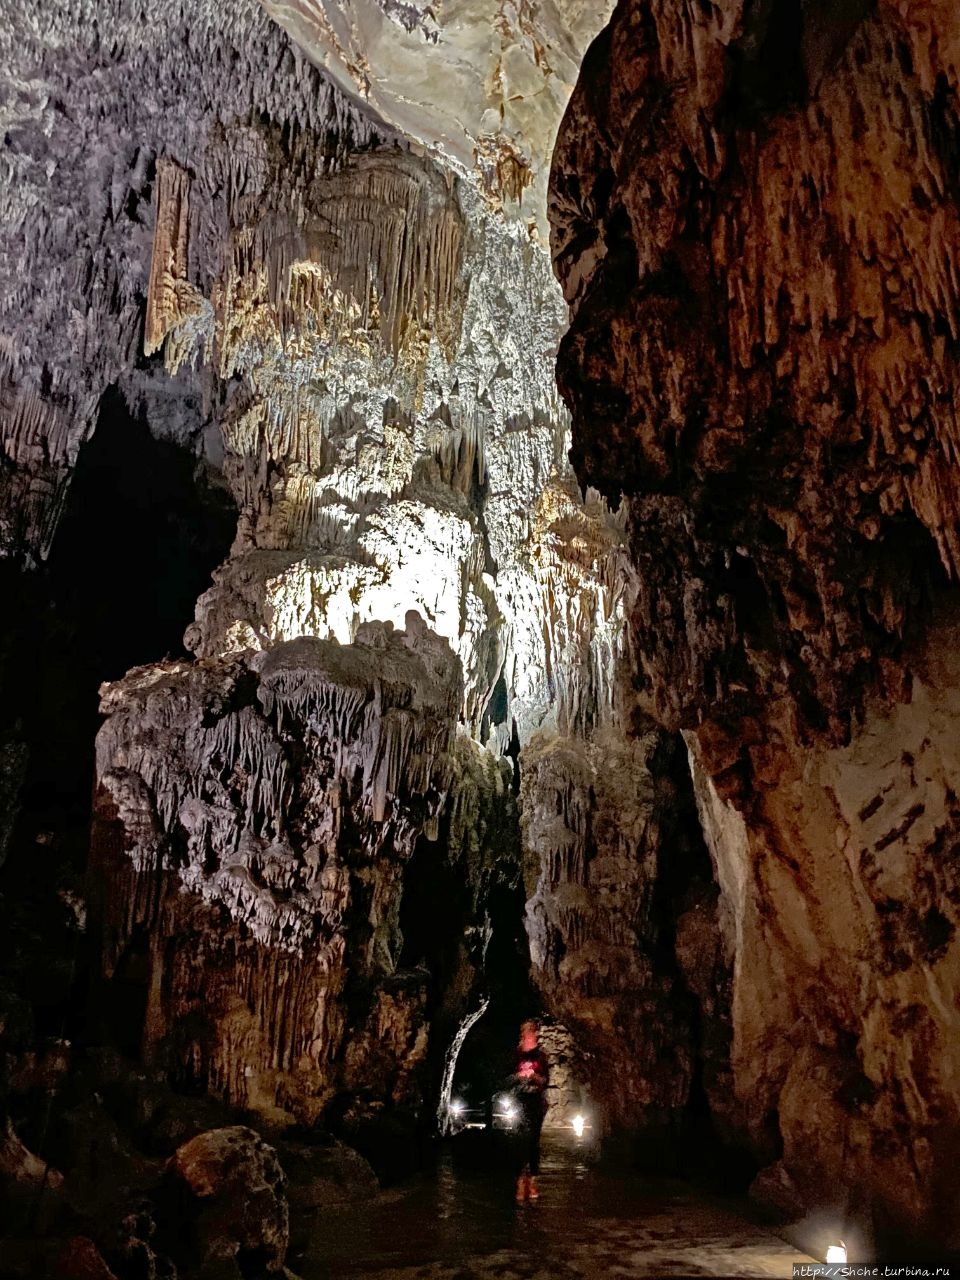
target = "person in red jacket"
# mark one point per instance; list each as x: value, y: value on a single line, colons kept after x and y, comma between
x: 530, y: 1080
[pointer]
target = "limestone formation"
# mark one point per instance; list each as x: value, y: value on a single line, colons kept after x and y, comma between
x: 482, y: 84
x: 756, y: 224
x: 357, y: 343
x: 79, y: 178
x: 253, y: 822
x: 593, y: 831
x: 422, y: 630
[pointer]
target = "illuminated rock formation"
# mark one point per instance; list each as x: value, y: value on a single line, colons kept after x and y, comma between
x: 79, y: 179
x: 235, y: 1191
x: 354, y: 335
x: 253, y: 822
x: 755, y: 221
x: 357, y: 342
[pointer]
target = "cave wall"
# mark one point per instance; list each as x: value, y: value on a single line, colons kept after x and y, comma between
x: 596, y: 825
x: 755, y: 222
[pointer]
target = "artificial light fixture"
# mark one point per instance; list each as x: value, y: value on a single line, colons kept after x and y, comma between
x: 579, y: 1124
x: 508, y: 1109
x: 836, y: 1253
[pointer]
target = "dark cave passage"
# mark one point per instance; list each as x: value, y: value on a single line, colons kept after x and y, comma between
x: 464, y: 923
x: 140, y: 533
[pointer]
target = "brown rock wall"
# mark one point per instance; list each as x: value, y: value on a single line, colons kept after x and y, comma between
x: 756, y: 223
x: 610, y: 872
x: 763, y: 282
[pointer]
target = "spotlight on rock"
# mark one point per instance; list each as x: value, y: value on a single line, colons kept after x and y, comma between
x: 836, y: 1253
x: 579, y: 1123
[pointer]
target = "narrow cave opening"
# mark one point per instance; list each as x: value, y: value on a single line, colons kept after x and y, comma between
x: 476, y: 950
x: 141, y: 531
x: 486, y: 1059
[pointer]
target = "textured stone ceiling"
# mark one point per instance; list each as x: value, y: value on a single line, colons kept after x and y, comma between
x: 483, y: 82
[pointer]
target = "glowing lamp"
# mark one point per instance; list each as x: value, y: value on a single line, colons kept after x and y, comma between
x: 456, y: 1106
x: 579, y: 1124
x: 836, y: 1253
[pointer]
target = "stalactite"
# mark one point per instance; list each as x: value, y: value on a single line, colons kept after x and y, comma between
x: 201, y: 801
x: 168, y: 270
x: 72, y: 251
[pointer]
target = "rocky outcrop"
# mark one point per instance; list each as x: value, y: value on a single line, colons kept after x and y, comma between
x: 755, y: 222
x: 253, y: 821
x: 237, y: 1189
x: 624, y: 937
x: 592, y: 831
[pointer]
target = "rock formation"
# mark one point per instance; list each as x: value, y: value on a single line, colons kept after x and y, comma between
x: 235, y: 1189
x: 481, y: 85
x: 756, y: 225
x: 420, y: 629
x: 259, y: 814
x: 354, y: 336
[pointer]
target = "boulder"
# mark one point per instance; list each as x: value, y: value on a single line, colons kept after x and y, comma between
x: 233, y: 1200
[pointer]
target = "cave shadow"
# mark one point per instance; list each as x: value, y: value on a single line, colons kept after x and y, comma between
x: 140, y: 533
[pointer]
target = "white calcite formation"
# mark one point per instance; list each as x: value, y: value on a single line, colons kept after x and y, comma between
x: 358, y: 340
x: 92, y: 105
x: 252, y: 822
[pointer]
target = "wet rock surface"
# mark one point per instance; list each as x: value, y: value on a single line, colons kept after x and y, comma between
x: 589, y: 1222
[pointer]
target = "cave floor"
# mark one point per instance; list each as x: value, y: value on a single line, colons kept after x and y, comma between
x: 462, y: 1224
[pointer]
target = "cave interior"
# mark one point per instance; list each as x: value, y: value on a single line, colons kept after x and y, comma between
x: 479, y: 538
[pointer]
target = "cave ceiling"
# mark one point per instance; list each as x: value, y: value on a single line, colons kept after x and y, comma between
x: 482, y: 84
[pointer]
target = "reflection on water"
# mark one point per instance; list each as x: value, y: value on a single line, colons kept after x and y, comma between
x: 446, y: 1189
x: 590, y: 1221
